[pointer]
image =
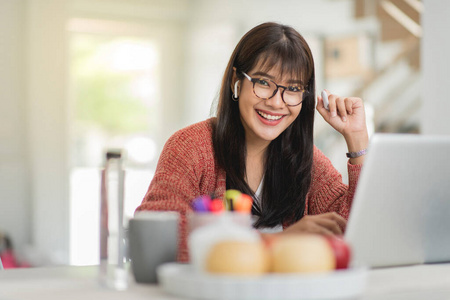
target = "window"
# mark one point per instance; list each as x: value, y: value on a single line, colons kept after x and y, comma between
x: 114, y: 87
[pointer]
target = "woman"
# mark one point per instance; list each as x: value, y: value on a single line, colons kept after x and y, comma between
x: 261, y: 142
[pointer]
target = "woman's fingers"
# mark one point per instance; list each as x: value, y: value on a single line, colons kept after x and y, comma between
x: 349, y: 106
x: 322, y: 230
x: 341, y: 109
x: 328, y: 224
x: 333, y: 222
x: 332, y: 104
x: 342, y: 222
x: 338, y: 106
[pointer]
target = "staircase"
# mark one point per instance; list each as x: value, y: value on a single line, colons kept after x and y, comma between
x: 394, y: 90
x: 390, y: 87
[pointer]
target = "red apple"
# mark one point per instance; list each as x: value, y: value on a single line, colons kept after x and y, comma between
x: 342, y: 251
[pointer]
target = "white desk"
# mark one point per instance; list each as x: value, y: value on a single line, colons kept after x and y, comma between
x: 430, y: 282
x: 80, y: 283
x: 425, y: 282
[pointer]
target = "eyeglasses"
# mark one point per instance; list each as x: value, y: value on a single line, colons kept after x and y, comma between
x: 265, y: 89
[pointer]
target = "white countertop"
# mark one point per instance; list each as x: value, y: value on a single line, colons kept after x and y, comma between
x: 408, y: 282
x: 429, y: 282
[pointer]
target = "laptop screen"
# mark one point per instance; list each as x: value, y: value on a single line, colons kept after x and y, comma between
x: 400, y: 212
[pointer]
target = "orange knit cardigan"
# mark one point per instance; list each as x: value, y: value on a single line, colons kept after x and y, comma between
x: 187, y: 169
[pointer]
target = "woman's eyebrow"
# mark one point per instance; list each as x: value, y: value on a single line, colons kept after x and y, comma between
x: 259, y: 73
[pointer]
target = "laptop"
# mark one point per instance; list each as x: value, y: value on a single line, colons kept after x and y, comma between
x: 401, y: 210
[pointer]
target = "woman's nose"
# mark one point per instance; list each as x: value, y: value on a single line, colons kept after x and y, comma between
x: 277, y: 100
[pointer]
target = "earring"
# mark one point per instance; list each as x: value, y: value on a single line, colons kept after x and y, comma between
x: 235, y: 95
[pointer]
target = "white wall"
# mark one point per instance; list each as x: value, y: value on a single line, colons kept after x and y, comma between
x: 47, y: 127
x: 436, y: 67
x: 15, y: 199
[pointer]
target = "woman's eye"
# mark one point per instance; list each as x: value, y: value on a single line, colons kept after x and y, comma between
x: 262, y: 82
x: 294, y: 89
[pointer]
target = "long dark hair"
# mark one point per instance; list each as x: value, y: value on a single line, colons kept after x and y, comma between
x: 289, y: 157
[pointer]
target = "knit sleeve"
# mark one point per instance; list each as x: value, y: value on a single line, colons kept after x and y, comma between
x: 175, y: 183
x: 327, y: 192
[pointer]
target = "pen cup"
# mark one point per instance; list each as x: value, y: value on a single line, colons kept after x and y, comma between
x: 197, y: 220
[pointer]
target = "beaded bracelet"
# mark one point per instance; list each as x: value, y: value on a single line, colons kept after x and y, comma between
x: 356, y: 154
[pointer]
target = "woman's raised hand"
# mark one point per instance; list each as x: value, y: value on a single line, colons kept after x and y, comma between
x: 347, y: 116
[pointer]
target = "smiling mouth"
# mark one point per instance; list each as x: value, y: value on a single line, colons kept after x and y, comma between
x: 269, y: 117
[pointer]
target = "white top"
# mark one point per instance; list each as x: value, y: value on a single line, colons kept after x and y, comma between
x: 275, y: 229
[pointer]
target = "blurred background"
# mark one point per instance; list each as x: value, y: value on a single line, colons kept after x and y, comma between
x: 78, y: 77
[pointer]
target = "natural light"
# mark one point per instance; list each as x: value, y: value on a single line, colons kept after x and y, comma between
x: 115, y: 91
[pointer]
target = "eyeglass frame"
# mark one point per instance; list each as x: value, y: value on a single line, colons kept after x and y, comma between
x: 275, y: 92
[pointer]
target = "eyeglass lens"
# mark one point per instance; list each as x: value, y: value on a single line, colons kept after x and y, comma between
x: 266, y: 89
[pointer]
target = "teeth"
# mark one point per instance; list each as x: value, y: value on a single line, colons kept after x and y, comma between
x: 269, y: 117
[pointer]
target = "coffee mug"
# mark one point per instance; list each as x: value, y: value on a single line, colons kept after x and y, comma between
x: 153, y: 240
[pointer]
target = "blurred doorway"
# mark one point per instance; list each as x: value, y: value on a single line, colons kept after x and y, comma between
x: 115, y: 103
